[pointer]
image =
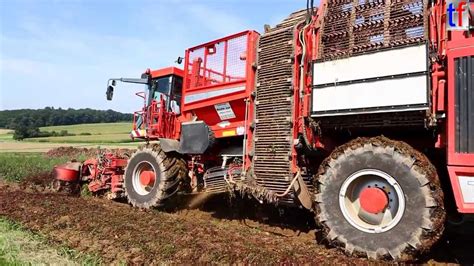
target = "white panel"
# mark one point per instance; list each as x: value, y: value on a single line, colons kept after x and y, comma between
x: 190, y: 98
x: 380, y: 64
x: 467, y: 188
x: 381, y: 93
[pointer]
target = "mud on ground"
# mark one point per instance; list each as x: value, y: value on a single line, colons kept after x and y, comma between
x: 222, y: 230
x: 120, y: 233
x: 74, y: 152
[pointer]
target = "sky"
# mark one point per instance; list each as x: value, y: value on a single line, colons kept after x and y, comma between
x: 61, y: 53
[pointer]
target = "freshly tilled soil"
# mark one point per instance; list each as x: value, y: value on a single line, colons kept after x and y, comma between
x: 120, y: 233
x: 74, y: 153
x: 221, y: 231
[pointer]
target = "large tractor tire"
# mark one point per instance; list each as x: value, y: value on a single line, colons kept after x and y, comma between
x: 153, y: 176
x: 379, y: 198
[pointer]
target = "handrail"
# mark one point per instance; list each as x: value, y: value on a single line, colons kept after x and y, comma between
x: 219, y: 63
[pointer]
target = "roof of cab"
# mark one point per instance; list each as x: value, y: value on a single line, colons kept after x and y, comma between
x: 166, y: 72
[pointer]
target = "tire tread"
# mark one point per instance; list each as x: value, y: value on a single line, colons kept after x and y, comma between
x: 173, y: 169
x: 433, y: 214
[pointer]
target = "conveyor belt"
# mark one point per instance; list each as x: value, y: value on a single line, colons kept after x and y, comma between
x: 274, y: 105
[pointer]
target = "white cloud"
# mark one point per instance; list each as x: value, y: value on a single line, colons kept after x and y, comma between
x: 63, y: 66
x: 63, y: 61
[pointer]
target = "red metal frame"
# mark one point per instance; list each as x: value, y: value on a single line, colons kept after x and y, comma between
x: 158, y: 122
x: 104, y: 174
x: 298, y: 118
x: 450, y: 45
x: 200, y: 82
x: 303, y: 104
x: 459, y: 46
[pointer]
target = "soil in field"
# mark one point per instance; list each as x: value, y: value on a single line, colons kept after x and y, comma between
x: 74, y: 152
x: 120, y: 233
x: 222, y: 230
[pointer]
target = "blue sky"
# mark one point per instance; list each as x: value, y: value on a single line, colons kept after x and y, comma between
x: 61, y: 52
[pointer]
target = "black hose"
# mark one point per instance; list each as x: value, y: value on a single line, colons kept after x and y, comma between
x: 309, y: 10
x: 308, y: 14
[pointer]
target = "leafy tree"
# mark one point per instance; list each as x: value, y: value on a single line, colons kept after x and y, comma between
x: 50, y: 116
x: 25, y: 128
x: 26, y: 122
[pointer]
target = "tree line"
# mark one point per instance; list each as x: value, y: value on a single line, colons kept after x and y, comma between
x: 26, y: 122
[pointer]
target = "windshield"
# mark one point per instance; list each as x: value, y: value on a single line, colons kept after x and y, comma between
x: 160, y: 87
x: 168, y: 88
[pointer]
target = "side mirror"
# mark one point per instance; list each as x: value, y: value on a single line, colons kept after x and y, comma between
x: 110, y: 92
x: 179, y: 61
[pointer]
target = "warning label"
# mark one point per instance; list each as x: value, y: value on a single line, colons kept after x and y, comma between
x: 224, y: 111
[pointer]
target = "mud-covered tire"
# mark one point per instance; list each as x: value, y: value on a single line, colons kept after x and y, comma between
x: 422, y: 222
x: 170, y: 170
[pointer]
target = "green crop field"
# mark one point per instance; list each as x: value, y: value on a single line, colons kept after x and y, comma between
x: 101, y: 133
x: 21, y: 246
x: 6, y: 134
x: 15, y: 166
x: 94, y: 129
x: 110, y: 135
x: 98, y: 139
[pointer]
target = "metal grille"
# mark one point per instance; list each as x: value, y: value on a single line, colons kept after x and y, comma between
x: 352, y: 27
x: 218, y: 63
x: 464, y: 88
x: 215, y: 178
x: 273, y: 132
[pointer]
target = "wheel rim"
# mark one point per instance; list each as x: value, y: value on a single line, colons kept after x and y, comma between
x: 144, y: 178
x: 372, y: 201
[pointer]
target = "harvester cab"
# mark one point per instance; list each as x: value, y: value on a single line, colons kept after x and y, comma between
x: 161, y: 102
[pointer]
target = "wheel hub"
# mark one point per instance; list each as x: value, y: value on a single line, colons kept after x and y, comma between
x: 144, y: 178
x: 147, y: 178
x: 373, y: 200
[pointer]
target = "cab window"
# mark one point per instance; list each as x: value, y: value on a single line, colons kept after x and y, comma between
x: 161, y: 86
x: 176, y: 89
